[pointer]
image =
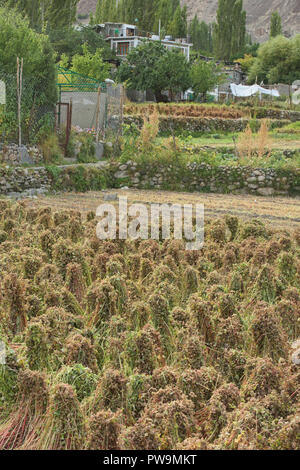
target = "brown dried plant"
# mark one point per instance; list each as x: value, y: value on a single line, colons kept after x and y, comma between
x: 149, y: 130
x: 259, y: 145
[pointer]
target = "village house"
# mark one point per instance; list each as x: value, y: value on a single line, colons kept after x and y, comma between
x: 124, y: 37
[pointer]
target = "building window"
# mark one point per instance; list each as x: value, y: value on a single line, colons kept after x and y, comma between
x: 129, y: 32
x: 123, y: 48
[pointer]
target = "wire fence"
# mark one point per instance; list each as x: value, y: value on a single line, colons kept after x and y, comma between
x: 97, y: 111
x: 73, y: 101
x: 114, y: 112
x: 37, y: 108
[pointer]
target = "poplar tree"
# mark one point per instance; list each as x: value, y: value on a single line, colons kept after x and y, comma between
x: 238, y: 29
x: 29, y: 8
x: 107, y: 10
x: 146, y: 14
x: 200, y: 35
x: 121, y: 10
x: 143, y: 11
x: 276, y: 25
x: 99, y: 12
x: 178, y: 27
x: 61, y: 13
x: 230, y: 29
x: 164, y: 13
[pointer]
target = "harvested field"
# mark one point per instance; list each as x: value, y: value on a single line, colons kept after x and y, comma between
x: 192, y: 110
x: 144, y: 345
x: 279, y: 212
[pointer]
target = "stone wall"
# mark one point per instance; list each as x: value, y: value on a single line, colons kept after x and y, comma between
x: 279, y: 114
x: 202, y: 177
x: 168, y: 176
x: 196, y: 124
x: 12, y: 154
x: 24, y: 180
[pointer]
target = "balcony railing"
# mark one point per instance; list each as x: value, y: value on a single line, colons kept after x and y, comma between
x: 112, y: 33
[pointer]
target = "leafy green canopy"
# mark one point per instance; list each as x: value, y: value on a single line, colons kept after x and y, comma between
x: 201, y: 36
x: 45, y: 14
x: 276, y: 25
x: 146, y: 14
x: 230, y: 29
x: 88, y: 64
x: 278, y: 61
x: 69, y: 42
x: 205, y: 76
x: 17, y: 39
x: 151, y: 66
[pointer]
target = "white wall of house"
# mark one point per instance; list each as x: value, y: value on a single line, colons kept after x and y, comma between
x: 122, y: 45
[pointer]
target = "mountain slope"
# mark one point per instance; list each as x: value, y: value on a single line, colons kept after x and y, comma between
x: 258, y: 13
x: 87, y: 6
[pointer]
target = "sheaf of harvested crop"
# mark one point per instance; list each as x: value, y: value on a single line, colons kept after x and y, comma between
x: 143, y: 345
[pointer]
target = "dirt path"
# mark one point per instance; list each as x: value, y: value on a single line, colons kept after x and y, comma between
x: 281, y: 212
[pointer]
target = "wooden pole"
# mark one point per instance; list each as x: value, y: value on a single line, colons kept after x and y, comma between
x: 98, y: 114
x: 19, y: 95
x: 71, y: 116
x: 69, y: 125
x: 122, y: 102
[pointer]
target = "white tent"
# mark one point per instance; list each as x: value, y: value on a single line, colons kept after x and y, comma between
x: 244, y: 91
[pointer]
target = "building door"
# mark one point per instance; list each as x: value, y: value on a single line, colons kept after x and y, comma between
x: 123, y: 48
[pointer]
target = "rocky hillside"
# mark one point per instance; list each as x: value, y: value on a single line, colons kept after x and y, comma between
x: 258, y: 13
x: 87, y: 6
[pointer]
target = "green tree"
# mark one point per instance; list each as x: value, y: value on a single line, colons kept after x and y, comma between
x: 143, y: 11
x: 201, y: 36
x: 278, y: 61
x: 53, y: 13
x: 276, y: 25
x: 69, y: 42
x: 121, y: 10
x: 246, y: 62
x: 60, y: 13
x: 204, y: 77
x: 107, y: 9
x: 178, y: 27
x: 99, y: 12
x: 164, y: 14
x: 29, y: 8
x: 151, y: 67
x: 145, y: 14
x: 17, y: 39
x: 230, y: 29
x: 174, y: 68
x: 91, y: 64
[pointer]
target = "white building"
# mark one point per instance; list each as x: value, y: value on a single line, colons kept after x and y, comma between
x: 124, y: 37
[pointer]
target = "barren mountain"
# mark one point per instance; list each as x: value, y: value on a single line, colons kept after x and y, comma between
x: 258, y: 13
x: 87, y: 6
